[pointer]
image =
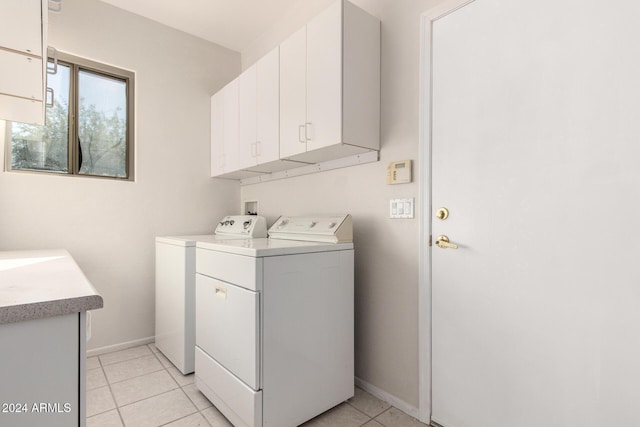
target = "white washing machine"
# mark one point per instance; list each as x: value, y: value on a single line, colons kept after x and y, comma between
x: 274, y: 322
x: 175, y: 285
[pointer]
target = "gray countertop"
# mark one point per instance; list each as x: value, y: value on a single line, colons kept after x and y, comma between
x: 43, y: 283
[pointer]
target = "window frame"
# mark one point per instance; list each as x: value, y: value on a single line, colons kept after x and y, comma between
x: 77, y: 64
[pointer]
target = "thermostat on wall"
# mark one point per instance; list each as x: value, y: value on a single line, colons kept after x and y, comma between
x: 399, y: 172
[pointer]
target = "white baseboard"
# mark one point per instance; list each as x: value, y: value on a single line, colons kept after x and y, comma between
x: 389, y: 398
x: 121, y: 346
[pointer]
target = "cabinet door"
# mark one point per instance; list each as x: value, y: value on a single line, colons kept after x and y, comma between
x: 268, y: 101
x: 217, y: 134
x: 21, y: 110
x: 20, y: 75
x: 21, y: 23
x: 231, y: 126
x: 40, y: 366
x: 227, y: 327
x: 324, y: 78
x: 293, y: 94
x: 247, y: 118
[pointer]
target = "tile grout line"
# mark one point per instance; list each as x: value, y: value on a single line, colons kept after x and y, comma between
x: 111, y: 392
x: 138, y: 376
x: 366, y: 415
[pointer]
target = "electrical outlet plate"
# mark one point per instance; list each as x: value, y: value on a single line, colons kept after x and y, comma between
x: 401, y: 208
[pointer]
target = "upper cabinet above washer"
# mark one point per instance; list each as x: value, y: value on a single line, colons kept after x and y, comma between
x: 313, y: 99
x: 330, y: 86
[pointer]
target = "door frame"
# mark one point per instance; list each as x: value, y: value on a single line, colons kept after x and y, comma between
x: 424, y: 264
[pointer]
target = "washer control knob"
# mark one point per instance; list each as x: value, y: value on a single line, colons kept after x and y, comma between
x: 313, y: 224
x: 333, y: 224
x: 226, y: 222
x: 246, y: 224
x: 232, y: 222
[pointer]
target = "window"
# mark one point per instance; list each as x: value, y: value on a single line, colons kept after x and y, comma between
x: 88, y: 124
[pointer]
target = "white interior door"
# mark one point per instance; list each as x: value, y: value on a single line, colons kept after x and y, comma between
x: 536, y: 155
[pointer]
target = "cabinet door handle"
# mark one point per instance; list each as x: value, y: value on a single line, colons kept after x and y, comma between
x: 300, y: 137
x: 308, y: 131
x: 221, y: 292
x: 49, y: 104
x: 52, y: 69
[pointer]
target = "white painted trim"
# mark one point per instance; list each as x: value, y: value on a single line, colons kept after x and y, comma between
x: 389, y: 398
x: 121, y: 346
x: 424, y: 252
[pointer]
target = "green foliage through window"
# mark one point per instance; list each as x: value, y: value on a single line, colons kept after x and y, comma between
x: 87, y: 126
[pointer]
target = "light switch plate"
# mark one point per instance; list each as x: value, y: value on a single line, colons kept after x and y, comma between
x: 401, y: 208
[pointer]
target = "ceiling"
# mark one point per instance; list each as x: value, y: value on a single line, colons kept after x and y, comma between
x: 231, y: 23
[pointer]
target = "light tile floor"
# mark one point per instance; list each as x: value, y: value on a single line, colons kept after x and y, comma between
x: 140, y: 387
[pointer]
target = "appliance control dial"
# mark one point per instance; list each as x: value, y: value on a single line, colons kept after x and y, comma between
x: 246, y: 224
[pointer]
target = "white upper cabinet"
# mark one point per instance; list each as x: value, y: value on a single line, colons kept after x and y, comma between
x: 22, y: 68
x: 330, y: 86
x: 314, y: 98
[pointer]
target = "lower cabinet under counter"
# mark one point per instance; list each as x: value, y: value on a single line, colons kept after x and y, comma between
x: 42, y: 372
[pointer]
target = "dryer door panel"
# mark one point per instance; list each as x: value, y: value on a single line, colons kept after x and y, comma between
x: 227, y: 327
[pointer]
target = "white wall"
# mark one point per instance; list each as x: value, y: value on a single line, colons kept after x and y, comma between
x: 386, y: 250
x: 109, y: 226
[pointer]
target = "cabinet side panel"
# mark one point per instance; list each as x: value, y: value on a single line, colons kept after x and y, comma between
x: 231, y: 125
x: 217, y: 134
x: 361, y: 74
x: 307, y: 335
x: 40, y: 372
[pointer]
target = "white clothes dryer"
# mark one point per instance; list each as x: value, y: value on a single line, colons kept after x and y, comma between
x: 274, y: 322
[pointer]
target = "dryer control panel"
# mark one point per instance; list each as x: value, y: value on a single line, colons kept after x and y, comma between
x: 329, y: 229
x: 242, y: 225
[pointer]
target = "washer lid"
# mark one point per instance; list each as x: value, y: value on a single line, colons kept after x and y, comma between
x: 327, y: 229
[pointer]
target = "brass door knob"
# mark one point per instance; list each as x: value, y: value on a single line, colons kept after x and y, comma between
x: 444, y: 243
